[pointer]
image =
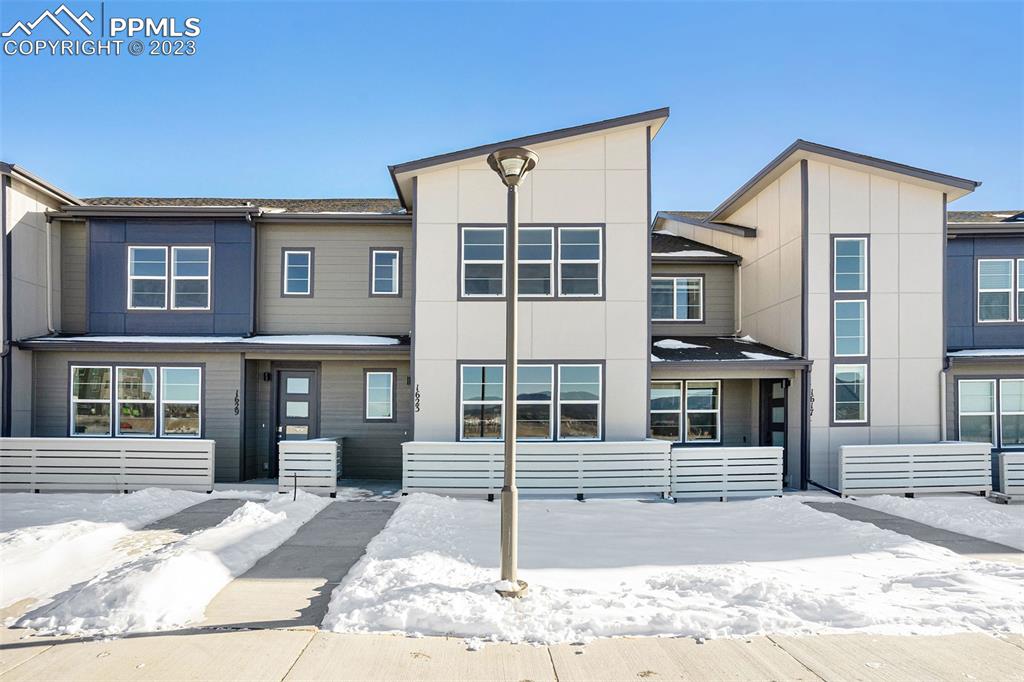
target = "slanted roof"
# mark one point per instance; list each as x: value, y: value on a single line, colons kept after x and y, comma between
x: 802, y: 149
x: 984, y: 223
x: 668, y: 247
x: 705, y: 350
x: 38, y: 183
x: 402, y: 173
x: 699, y: 219
x: 336, y: 205
x: 1011, y: 216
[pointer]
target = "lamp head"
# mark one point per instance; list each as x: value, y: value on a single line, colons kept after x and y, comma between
x: 512, y: 164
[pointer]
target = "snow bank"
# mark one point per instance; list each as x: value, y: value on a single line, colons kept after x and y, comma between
x: 171, y: 586
x: 617, y: 567
x: 967, y: 514
x: 53, y: 541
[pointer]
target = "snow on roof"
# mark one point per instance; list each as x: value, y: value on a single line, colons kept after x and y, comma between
x: 676, y: 344
x: 762, y: 356
x: 715, y: 348
x: 692, y: 254
x: 284, y: 340
x: 988, y: 353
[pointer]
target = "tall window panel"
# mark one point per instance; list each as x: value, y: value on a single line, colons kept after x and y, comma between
x: 483, y: 261
x: 850, y: 396
x: 190, y: 278
x: 482, y: 394
x: 536, y: 261
x: 976, y: 399
x: 386, y: 272
x: 136, y: 401
x: 850, y: 264
x: 534, y: 402
x: 666, y: 411
x: 851, y: 328
x: 579, y: 402
x: 180, y: 401
x: 90, y: 401
x: 995, y: 290
x: 297, y: 272
x: 1011, y: 413
x: 147, y: 277
x: 380, y: 396
x: 579, y: 261
x: 1020, y: 289
x: 703, y: 411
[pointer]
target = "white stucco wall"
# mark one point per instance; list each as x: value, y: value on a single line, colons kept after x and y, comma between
x: 597, y: 178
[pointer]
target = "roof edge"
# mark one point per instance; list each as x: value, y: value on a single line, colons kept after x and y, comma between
x: 801, y: 145
x: 739, y: 230
x: 99, y: 211
x: 32, y: 179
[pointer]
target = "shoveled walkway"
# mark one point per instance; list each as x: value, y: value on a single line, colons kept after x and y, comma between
x: 291, y: 587
x: 973, y: 547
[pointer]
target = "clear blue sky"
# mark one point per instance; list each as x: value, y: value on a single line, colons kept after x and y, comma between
x: 294, y: 99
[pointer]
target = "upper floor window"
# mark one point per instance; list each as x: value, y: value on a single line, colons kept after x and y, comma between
x: 190, y: 278
x: 850, y: 264
x: 1020, y: 289
x: 147, y: 277
x: 851, y: 333
x: 573, y: 255
x: 385, y: 272
x: 187, y: 280
x: 996, y: 290
x: 677, y: 299
x: 297, y: 272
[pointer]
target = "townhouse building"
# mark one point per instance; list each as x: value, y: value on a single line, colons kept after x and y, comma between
x: 815, y: 307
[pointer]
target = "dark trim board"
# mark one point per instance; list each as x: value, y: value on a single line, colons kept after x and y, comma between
x: 412, y: 333
x: 647, y: 292
x: 7, y: 364
x: 806, y: 399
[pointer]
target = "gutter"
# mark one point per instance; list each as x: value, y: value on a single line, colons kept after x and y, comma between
x: 6, y: 364
x: 246, y: 212
x: 55, y: 344
x: 789, y: 363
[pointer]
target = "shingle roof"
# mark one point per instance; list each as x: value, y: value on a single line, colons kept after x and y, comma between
x: 692, y: 215
x: 288, y: 205
x: 1012, y: 216
x: 666, y: 245
x: 704, y: 348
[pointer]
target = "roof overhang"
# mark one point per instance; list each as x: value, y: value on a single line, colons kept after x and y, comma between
x: 38, y: 183
x: 663, y: 217
x: 720, y: 260
x: 403, y: 173
x: 795, y: 363
x: 955, y: 359
x: 51, y: 344
x: 99, y: 211
x: 326, y: 217
x: 953, y: 186
x: 1000, y: 229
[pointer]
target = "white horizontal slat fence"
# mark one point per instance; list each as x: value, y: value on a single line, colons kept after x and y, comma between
x: 926, y: 468
x: 1011, y: 473
x: 711, y: 472
x: 311, y: 465
x: 106, y: 464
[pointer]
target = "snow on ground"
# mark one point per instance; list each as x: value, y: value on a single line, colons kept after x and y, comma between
x: 967, y: 514
x: 171, y: 586
x: 51, y: 541
x: 618, y: 567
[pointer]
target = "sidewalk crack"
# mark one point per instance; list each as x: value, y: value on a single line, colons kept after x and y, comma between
x: 554, y: 670
x: 795, y: 658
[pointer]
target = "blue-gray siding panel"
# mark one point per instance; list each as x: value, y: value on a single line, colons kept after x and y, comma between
x: 231, y: 297
x: 963, y: 331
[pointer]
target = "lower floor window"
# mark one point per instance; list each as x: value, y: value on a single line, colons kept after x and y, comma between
x: 380, y: 388
x: 125, y: 401
x: 992, y: 411
x: 552, y: 401
x: 703, y: 411
x: 666, y: 411
x: 849, y: 394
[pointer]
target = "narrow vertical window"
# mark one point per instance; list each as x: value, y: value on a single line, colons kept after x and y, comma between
x: 703, y: 411
x: 536, y: 259
x: 666, y: 412
x: 579, y: 402
x: 136, y: 401
x: 147, y: 277
x: 976, y: 401
x: 190, y: 277
x: 534, y: 401
x: 995, y: 290
x: 380, y: 395
x: 850, y: 328
x: 180, y: 401
x: 849, y: 393
x: 1011, y: 413
x: 483, y: 261
x: 850, y: 264
x: 1020, y: 289
x: 385, y: 272
x: 90, y: 401
x: 579, y: 261
x: 297, y: 273
x: 482, y: 393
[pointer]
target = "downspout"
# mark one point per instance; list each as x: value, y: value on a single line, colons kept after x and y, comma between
x: 738, y: 316
x: 5, y: 351
x: 942, y: 401
x: 49, y: 277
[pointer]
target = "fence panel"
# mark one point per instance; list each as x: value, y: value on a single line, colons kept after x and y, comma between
x: 927, y: 468
x: 726, y: 472
x: 312, y: 465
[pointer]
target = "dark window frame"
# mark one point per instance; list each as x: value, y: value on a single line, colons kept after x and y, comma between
x: 367, y: 371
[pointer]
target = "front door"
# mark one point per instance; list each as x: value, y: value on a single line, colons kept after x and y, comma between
x: 298, y: 406
x: 773, y: 414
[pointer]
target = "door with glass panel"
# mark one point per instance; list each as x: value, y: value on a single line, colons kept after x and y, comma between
x: 773, y: 415
x: 298, y: 407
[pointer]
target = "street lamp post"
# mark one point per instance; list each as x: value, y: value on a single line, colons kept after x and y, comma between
x: 511, y: 164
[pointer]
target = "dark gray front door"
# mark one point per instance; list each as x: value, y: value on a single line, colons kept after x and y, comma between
x: 298, y: 405
x: 773, y: 414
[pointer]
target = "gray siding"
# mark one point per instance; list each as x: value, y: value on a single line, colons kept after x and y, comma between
x: 962, y: 327
x: 719, y: 299
x: 73, y: 254
x: 341, y: 301
x: 977, y: 369
x: 221, y: 382
x: 739, y: 412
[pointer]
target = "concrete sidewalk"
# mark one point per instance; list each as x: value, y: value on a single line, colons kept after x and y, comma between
x: 291, y: 587
x: 305, y: 654
x: 966, y: 545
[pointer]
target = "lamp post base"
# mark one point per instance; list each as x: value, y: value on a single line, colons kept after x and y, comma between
x: 515, y: 593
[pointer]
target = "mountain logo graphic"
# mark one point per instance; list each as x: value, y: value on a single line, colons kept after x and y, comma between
x: 77, y: 20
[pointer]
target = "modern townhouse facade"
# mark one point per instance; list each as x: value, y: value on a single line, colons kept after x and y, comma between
x: 812, y: 309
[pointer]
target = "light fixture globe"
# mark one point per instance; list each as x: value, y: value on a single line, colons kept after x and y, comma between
x: 512, y: 164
